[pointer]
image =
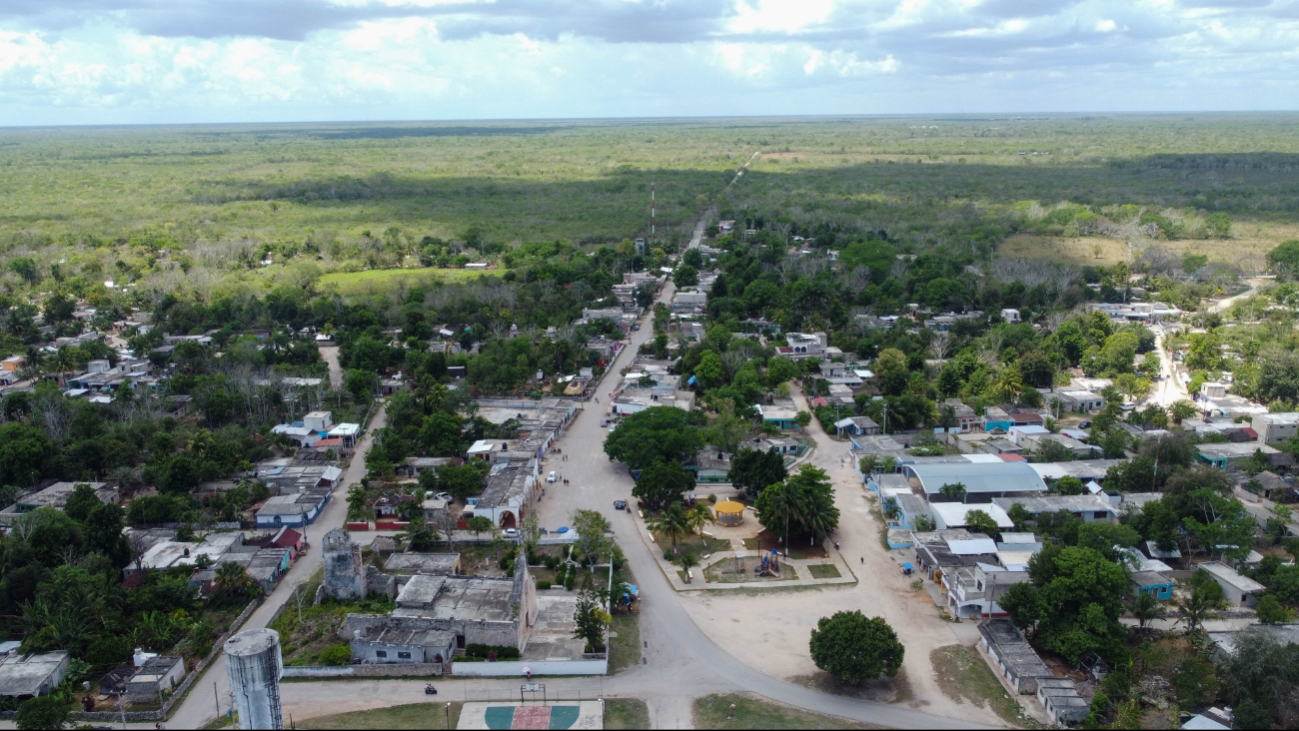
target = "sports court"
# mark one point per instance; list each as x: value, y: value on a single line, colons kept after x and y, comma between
x: 560, y: 715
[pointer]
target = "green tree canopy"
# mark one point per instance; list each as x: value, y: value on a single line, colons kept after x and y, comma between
x: 662, y: 483
x: 753, y: 470
x: 853, y: 647
x: 659, y: 433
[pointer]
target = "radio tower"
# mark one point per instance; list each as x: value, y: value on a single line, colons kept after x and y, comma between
x: 651, y: 214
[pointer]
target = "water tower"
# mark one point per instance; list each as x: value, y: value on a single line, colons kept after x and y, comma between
x: 254, y: 667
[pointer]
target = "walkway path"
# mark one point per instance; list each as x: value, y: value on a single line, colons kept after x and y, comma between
x: 330, y: 355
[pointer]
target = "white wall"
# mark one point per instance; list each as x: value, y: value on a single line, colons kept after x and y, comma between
x: 515, y: 668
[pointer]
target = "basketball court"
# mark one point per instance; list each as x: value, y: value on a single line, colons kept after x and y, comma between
x: 555, y: 715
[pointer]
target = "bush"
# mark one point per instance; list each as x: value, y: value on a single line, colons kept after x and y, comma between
x: 570, y: 581
x: 336, y: 655
x: 712, y: 498
x: 543, y: 584
x: 552, y: 562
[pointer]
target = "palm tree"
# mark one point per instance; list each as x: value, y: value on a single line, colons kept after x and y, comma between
x: 1181, y: 411
x: 1196, y: 609
x: 231, y: 578
x: 1146, y: 608
x: 698, y: 517
x: 672, y: 524
x: 687, y: 562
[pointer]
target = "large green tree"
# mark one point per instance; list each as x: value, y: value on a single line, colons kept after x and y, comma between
x: 659, y: 433
x: 662, y: 483
x: 802, y: 505
x: 1073, y: 602
x: 753, y: 470
x: 24, y: 453
x: 853, y: 647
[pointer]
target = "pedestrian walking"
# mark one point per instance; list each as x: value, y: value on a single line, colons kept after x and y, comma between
x: 863, y: 559
x: 836, y: 545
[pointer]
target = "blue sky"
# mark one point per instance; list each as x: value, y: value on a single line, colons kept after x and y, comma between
x: 175, y: 61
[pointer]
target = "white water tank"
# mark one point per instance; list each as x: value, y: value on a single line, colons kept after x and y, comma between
x: 254, y: 667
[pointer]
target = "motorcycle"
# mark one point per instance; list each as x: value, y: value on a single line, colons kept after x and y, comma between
x: 430, y: 690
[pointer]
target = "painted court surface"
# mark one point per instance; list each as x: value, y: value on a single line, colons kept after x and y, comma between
x: 562, y: 715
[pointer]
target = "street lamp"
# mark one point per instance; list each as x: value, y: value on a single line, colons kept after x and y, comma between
x: 448, y: 710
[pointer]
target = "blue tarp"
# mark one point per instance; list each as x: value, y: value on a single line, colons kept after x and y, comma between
x: 691, y: 381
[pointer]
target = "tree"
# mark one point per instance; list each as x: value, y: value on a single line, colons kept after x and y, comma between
x: 81, y: 502
x: 463, y: 480
x: 698, y: 517
x: 671, y: 524
x: 1146, y: 608
x: 803, y: 505
x: 419, y: 535
x: 779, y: 370
x: 979, y: 521
x: 1073, y: 602
x: 687, y: 561
x: 685, y: 276
x: 1068, y: 486
x: 590, y: 619
x: 710, y: 372
x: 658, y: 433
x: 1270, y: 610
x: 1200, y: 605
x: 753, y: 471
x: 852, y: 647
x: 1181, y: 411
x: 1019, y: 515
x: 953, y: 491
x: 24, y: 452
x: 356, y: 502
x: 591, y: 528
x: 479, y: 524
x: 233, y: 579
x: 1284, y: 259
x: 44, y: 712
x: 662, y: 483
x: 802, y: 418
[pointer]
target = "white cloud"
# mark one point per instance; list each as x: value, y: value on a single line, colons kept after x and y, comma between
x: 148, y: 61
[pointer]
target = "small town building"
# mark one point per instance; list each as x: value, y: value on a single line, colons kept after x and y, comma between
x: 157, y: 676
x: 729, y: 512
x: 431, y: 564
x: 1239, y: 590
x: 1015, y: 659
x: 32, y: 674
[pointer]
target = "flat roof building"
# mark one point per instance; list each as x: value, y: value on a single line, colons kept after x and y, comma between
x: 982, y: 481
x: 31, y: 675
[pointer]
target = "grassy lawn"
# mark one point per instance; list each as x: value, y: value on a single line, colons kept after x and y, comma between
x: 409, y: 716
x: 376, y: 281
x: 625, y: 713
x: 962, y: 674
x: 723, y: 572
x: 304, y: 640
x: 625, y: 646
x: 824, y: 571
x: 765, y: 542
x: 742, y: 711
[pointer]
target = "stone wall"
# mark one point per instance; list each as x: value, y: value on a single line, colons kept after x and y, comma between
x: 345, y: 572
x: 475, y: 631
x: 386, y: 670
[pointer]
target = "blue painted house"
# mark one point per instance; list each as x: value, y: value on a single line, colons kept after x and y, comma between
x: 1153, y: 582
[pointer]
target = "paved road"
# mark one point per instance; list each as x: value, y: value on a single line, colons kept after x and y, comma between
x: 198, y: 708
x: 681, y: 661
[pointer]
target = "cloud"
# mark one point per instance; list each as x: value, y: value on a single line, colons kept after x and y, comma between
x: 196, y: 60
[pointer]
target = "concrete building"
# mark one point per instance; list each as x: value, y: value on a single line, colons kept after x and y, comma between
x: 345, y: 575
x: 956, y: 515
x: 1087, y: 508
x: 1237, y: 589
x: 1063, y: 704
x: 859, y: 426
x: 804, y: 345
x: 1276, y: 428
x: 973, y: 591
x: 967, y: 421
x: 982, y: 481
x: 1152, y: 582
x: 1231, y: 455
x: 430, y: 564
x: 31, y: 675
x: 158, y: 676
x: 294, y: 510
x: 55, y: 496
x: 782, y: 413
x: 1014, y: 658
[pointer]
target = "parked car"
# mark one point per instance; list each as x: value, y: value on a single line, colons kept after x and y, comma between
x: 551, y: 476
x: 619, y: 504
x: 604, y: 423
x: 1085, y: 424
x: 444, y: 496
x: 510, y: 533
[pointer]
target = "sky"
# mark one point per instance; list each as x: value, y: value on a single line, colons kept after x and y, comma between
x: 68, y: 62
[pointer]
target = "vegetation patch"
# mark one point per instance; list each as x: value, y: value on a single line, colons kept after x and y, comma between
x: 748, y: 711
x: 824, y: 571
x: 383, y: 281
x: 625, y: 713
x: 408, y: 716
x: 963, y: 675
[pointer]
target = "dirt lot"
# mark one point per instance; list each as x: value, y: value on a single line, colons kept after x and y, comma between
x: 1250, y: 245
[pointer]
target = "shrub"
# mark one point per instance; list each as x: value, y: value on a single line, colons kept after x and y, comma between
x: 543, y: 584
x: 712, y: 498
x: 570, y: 581
x: 336, y: 655
x: 552, y: 562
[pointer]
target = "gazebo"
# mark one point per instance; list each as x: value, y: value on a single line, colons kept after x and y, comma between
x: 729, y: 512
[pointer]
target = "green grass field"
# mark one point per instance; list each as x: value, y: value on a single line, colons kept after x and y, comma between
x: 625, y: 713
x: 964, y: 676
x: 378, y: 281
x: 742, y: 711
x: 409, y: 716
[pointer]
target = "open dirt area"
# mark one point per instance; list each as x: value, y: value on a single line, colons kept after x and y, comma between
x: 771, y: 631
x: 1249, y: 245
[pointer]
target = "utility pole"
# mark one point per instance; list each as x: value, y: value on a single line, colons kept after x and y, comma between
x: 121, y: 706
x: 217, y: 696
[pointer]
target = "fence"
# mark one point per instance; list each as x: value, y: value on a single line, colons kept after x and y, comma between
x: 492, y: 695
x: 385, y: 670
x: 514, y: 668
